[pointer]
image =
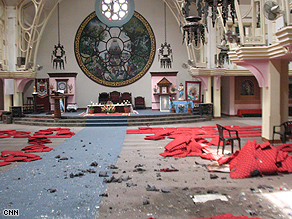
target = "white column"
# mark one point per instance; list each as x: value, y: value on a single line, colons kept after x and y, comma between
x: 275, y: 98
x: 208, y: 91
x: 12, y: 39
x: 217, y: 97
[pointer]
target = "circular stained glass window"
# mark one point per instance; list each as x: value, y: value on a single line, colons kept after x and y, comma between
x: 115, y: 56
x: 114, y: 12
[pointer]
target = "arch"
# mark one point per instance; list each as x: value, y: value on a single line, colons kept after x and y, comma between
x: 21, y: 82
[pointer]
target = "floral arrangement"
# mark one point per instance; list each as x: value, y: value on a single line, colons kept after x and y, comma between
x: 126, y: 103
x: 155, y: 89
x: 173, y: 88
x: 70, y: 87
x: 171, y: 102
x: 91, y: 105
x: 181, y: 107
x: 108, y: 107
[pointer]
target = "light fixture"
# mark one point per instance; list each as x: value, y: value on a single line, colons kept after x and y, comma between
x: 214, y: 4
x: 58, y: 52
x: 194, y: 29
x: 165, y: 50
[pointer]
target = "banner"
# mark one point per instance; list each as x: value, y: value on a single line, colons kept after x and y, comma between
x: 42, y: 87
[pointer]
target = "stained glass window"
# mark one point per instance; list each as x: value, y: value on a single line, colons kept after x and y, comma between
x: 114, y: 12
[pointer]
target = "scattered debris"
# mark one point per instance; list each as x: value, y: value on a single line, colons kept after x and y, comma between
x: 208, y: 197
x: 151, y: 188
x: 94, y: 164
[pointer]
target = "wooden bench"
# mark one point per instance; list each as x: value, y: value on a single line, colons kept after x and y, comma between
x: 249, y: 112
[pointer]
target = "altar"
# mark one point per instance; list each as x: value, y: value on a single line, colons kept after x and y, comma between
x: 181, y: 102
x: 119, y: 108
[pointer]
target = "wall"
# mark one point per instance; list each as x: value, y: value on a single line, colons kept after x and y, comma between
x: 72, y: 14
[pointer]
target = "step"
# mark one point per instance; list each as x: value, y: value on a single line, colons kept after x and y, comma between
x: 96, y: 124
x: 164, y: 122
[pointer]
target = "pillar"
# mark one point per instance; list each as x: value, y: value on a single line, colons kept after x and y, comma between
x: 275, y: 98
x: 208, y: 91
x: 217, y: 97
x: 17, y: 97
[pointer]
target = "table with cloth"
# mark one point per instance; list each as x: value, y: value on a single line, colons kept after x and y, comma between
x: 185, y: 103
x: 119, y: 108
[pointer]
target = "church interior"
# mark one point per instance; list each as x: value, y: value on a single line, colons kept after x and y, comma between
x: 120, y: 67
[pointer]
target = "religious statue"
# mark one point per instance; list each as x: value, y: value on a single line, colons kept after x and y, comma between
x: 180, y: 92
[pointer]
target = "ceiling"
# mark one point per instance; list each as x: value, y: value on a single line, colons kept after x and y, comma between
x: 15, y: 2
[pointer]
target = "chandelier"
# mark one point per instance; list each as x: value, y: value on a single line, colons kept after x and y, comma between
x: 165, y: 50
x: 194, y: 29
x: 58, y: 52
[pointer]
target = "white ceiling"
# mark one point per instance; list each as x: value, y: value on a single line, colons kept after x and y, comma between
x: 14, y: 2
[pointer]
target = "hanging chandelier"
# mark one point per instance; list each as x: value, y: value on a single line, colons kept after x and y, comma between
x: 58, y: 52
x: 194, y: 29
x: 165, y: 50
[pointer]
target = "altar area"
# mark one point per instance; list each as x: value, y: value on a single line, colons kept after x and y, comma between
x: 118, y: 106
x: 181, y: 102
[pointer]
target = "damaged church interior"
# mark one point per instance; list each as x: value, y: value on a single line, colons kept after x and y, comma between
x: 150, y: 109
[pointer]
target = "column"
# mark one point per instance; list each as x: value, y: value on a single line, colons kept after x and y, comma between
x: 275, y: 98
x: 217, y: 97
x: 208, y: 91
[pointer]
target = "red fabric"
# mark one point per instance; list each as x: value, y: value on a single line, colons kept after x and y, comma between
x: 21, y: 136
x: 10, y: 156
x: 3, y: 163
x: 244, y: 163
x: 154, y: 137
x: 228, y: 216
x: 177, y: 141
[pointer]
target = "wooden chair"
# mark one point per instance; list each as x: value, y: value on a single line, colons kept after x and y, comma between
x: 284, y: 130
x: 139, y: 102
x: 115, y: 97
x: 126, y: 96
x: 222, y: 130
x: 103, y: 97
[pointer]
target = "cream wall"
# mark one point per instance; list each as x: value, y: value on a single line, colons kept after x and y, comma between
x: 73, y: 12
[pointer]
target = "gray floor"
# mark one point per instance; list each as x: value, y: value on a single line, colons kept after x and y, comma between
x: 27, y: 186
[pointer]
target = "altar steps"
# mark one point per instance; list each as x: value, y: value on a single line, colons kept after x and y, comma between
x: 96, y: 121
x: 175, y: 118
x: 50, y: 121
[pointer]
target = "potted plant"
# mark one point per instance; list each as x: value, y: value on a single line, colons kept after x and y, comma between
x: 126, y: 106
x: 70, y: 87
x: 91, y: 108
x: 172, y: 109
x: 190, y: 107
x: 155, y: 89
x: 173, y: 88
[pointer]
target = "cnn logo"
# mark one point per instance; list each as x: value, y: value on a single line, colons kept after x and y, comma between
x: 11, y: 212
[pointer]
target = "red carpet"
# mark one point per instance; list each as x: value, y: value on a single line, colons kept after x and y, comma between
x: 105, y: 114
x: 228, y: 216
x: 191, y: 141
x: 37, y: 143
x: 259, y: 160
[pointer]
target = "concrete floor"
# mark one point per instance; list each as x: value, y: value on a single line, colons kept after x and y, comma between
x: 129, y: 199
